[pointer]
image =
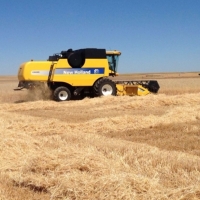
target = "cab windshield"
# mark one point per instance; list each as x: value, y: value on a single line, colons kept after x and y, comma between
x: 113, y: 62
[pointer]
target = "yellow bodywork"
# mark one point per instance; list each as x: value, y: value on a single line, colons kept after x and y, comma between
x: 39, y: 71
x: 81, y: 78
x: 28, y: 71
x: 131, y: 90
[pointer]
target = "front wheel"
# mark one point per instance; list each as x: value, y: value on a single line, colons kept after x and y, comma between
x: 62, y: 94
x: 105, y: 87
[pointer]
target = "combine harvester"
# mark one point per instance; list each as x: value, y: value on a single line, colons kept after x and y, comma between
x: 82, y: 72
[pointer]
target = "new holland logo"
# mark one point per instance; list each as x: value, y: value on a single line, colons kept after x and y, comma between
x: 96, y: 71
x: 79, y: 71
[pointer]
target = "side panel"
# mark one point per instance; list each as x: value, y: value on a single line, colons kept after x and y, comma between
x: 34, y: 71
x: 92, y: 70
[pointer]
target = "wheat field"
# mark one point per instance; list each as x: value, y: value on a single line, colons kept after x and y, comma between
x: 130, y: 148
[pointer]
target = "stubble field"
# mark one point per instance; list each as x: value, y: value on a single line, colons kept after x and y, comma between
x: 102, y: 148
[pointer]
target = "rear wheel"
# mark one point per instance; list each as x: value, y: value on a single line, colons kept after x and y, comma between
x: 105, y: 87
x: 62, y: 94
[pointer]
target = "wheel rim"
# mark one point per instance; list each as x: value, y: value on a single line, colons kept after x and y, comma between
x: 63, y: 95
x: 107, y: 90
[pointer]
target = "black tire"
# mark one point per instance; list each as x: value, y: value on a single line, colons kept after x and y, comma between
x: 104, y: 87
x: 76, y: 60
x: 153, y: 86
x: 62, y: 94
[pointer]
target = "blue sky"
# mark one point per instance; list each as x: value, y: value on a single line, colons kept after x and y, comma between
x: 153, y: 35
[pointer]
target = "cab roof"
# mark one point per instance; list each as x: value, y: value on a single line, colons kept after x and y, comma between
x: 113, y: 52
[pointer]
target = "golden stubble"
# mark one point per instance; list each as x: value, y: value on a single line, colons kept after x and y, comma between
x: 102, y: 148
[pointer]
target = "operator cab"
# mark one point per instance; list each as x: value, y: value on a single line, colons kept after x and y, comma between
x: 113, y: 59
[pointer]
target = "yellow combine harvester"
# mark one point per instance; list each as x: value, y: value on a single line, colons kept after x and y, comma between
x: 82, y: 72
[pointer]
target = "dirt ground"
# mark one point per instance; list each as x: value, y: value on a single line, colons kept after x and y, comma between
x: 102, y: 148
